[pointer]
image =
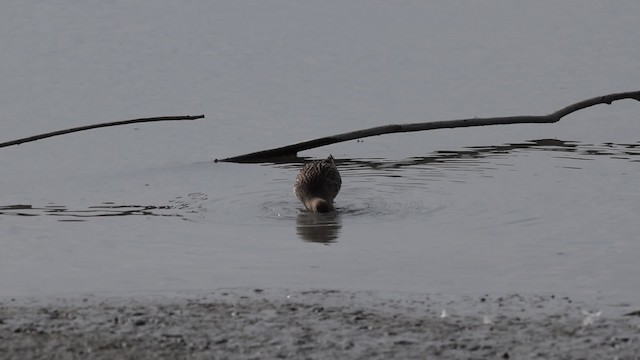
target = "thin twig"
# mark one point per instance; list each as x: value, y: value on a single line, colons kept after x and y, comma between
x: 292, y: 150
x: 95, y: 126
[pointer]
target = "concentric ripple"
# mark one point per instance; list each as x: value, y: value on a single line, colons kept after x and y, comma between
x: 367, y: 196
x: 385, y: 204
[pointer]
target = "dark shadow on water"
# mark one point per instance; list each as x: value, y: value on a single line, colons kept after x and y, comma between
x: 319, y: 228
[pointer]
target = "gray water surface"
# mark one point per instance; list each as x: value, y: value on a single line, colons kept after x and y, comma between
x: 503, y: 209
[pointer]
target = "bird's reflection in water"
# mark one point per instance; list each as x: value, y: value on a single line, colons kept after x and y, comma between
x: 319, y: 227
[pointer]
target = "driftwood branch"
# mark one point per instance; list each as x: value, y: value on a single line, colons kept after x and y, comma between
x: 292, y: 150
x: 95, y: 126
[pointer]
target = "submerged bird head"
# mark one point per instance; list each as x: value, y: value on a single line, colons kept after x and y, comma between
x: 317, y: 204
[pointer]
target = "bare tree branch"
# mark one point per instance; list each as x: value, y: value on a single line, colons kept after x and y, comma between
x: 292, y: 150
x: 95, y: 126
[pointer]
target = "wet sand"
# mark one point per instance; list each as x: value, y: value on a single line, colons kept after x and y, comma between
x: 319, y: 324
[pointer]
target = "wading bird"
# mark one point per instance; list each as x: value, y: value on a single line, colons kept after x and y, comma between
x: 317, y: 185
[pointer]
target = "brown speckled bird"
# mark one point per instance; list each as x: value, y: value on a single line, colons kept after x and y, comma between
x: 317, y: 185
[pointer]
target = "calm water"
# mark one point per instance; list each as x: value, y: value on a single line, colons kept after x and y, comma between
x: 534, y: 209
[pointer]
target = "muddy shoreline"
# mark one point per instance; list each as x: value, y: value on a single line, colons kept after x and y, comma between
x: 318, y: 324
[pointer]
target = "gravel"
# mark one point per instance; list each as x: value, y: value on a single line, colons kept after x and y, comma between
x: 318, y: 324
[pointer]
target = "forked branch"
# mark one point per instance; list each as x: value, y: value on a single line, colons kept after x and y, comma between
x: 292, y: 150
x: 95, y: 126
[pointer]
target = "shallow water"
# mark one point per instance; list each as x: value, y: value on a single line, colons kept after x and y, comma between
x: 522, y: 208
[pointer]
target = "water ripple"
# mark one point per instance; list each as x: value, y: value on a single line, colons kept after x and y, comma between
x: 375, y: 189
x: 180, y: 207
x: 83, y: 214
